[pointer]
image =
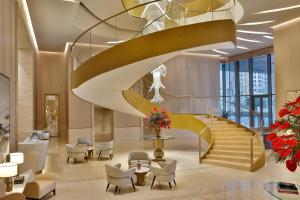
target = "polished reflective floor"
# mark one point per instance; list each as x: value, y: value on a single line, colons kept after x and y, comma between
x: 84, y: 181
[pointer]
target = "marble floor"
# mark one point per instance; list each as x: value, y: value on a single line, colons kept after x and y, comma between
x: 84, y: 181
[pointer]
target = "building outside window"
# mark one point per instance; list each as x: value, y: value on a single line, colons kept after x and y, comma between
x: 247, y: 91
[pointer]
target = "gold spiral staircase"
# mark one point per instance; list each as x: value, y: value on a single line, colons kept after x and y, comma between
x: 105, y: 77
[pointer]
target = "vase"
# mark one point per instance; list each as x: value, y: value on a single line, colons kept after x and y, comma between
x: 157, y: 131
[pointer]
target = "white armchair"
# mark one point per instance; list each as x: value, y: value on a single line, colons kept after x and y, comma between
x: 138, y: 157
x: 106, y: 148
x: 76, y: 152
x: 166, y: 172
x: 118, y: 177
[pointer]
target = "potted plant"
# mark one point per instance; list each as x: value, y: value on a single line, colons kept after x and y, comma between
x: 157, y: 119
x: 286, y: 136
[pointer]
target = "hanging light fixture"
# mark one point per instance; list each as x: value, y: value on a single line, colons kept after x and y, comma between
x: 157, y: 84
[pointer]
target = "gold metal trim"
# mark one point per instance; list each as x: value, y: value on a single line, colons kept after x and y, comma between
x: 158, y: 43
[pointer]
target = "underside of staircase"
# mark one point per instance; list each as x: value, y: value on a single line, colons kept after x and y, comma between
x: 231, y: 146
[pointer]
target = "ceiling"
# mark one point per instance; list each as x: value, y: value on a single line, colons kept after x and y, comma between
x: 56, y: 22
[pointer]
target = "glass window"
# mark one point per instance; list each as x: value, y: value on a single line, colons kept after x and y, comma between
x: 221, y: 80
x: 260, y: 75
x: 230, y: 108
x: 230, y: 79
x: 244, y: 77
x: 273, y: 73
x: 245, y: 110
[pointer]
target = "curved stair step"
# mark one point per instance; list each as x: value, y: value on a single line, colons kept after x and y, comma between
x: 232, y: 138
x: 229, y: 134
x: 233, y: 153
x: 237, y: 148
x: 237, y: 143
x: 229, y: 164
x: 243, y: 159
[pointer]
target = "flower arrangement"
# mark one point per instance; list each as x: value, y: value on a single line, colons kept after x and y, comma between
x: 157, y: 119
x: 286, y: 142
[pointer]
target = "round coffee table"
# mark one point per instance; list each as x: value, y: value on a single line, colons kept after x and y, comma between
x: 140, y: 175
x: 271, y: 188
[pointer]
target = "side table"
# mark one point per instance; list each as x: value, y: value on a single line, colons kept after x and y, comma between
x: 140, y: 175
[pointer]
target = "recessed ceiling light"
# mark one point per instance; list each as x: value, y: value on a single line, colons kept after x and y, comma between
x: 253, y: 32
x: 71, y: 1
x: 242, y: 47
x: 248, y: 40
x: 278, y: 9
x: 115, y: 42
x: 269, y: 37
x: 221, y: 52
x: 257, y: 23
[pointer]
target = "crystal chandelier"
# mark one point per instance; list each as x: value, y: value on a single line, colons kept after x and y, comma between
x: 157, y: 84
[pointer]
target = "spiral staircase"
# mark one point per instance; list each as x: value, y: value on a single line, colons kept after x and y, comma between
x: 105, y: 76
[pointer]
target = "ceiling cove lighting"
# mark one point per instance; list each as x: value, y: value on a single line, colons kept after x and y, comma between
x: 278, y: 9
x: 269, y: 37
x: 71, y: 1
x: 242, y: 47
x: 28, y: 23
x: 253, y: 32
x: 115, y: 42
x: 256, y: 23
x: 248, y: 40
x: 221, y: 52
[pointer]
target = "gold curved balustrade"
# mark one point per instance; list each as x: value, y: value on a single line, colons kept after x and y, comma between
x: 155, y: 44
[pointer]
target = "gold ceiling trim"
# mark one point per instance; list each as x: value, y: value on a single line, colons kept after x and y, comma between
x: 155, y: 44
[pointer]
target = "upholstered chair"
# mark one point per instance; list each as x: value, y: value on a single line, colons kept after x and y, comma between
x: 76, y: 152
x: 84, y: 141
x: 106, y: 148
x: 11, y: 196
x: 42, y: 185
x: 118, y: 177
x: 164, y: 173
x: 138, y: 157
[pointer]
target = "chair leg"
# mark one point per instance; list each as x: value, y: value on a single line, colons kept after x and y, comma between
x: 170, y: 185
x: 116, y: 189
x: 107, y: 186
x: 132, y: 184
x: 54, y: 192
x: 99, y: 157
x: 153, y: 181
x: 175, y: 182
x: 68, y: 160
x: 75, y: 161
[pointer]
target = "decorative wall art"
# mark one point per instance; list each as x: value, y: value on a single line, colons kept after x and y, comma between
x: 4, y: 117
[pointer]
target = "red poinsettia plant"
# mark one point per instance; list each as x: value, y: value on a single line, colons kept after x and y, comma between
x: 286, y: 136
x: 158, y: 118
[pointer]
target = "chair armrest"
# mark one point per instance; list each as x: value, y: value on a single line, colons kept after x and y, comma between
x: 118, y: 165
x: 162, y: 164
x: 32, y: 190
x: 129, y: 173
x: 14, y: 196
x: 155, y: 170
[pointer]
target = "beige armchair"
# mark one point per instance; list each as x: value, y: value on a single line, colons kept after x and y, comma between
x: 76, y: 152
x: 138, y: 157
x: 43, y: 185
x: 106, y: 148
x: 11, y: 196
x: 166, y: 172
x: 118, y: 177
